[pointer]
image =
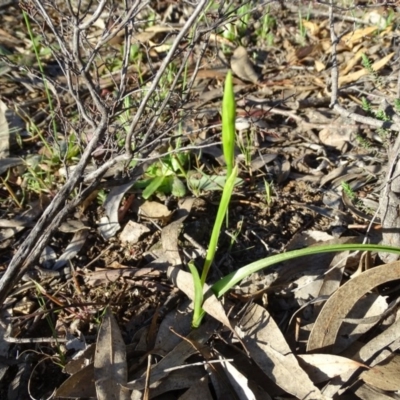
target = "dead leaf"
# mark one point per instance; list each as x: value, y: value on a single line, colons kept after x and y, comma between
x: 384, y: 376
x: 327, y: 325
x: 7, y: 163
x: 170, y: 234
x: 182, y: 378
x: 238, y: 381
x: 365, y: 392
x: 72, y: 225
x: 181, y: 320
x: 338, y: 133
x: 132, y: 232
x: 178, y: 355
x: 198, y: 391
x: 242, y: 66
x: 110, y: 368
x: 376, y: 66
x: 80, y: 384
x: 358, y: 35
x: 155, y: 210
x: 269, y: 349
x: 109, y: 225
x: 11, y: 125
x: 321, y: 367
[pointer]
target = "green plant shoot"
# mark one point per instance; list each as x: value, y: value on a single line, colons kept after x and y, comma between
x: 229, y: 281
x: 228, y: 123
x: 228, y: 144
x: 212, y: 248
x: 222, y: 210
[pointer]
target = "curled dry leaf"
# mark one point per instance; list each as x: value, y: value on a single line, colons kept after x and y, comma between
x: 11, y: 125
x: 109, y: 225
x: 343, y: 300
x: 242, y: 66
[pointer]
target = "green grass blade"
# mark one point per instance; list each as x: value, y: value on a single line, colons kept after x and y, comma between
x: 227, y: 282
x: 222, y: 209
x: 228, y: 123
x: 152, y: 187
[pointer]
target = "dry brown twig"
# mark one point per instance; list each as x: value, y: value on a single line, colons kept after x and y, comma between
x: 71, y: 58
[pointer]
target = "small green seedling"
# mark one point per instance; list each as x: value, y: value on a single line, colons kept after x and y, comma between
x: 164, y: 176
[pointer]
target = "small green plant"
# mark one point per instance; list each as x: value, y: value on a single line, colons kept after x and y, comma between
x: 163, y: 176
x: 268, y: 193
x: 397, y: 105
x: 349, y: 191
x: 228, y: 144
x: 378, y: 114
x: 302, y: 28
x: 265, y: 32
x: 367, y: 64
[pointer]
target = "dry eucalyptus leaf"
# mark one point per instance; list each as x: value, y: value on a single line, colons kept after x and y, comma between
x: 132, y: 232
x: 181, y: 319
x: 268, y: 348
x: 155, y: 210
x: 72, y: 225
x: 321, y: 367
x: 384, y: 376
x: 79, y: 385
x: 6, y: 163
x: 242, y: 66
x: 238, y: 381
x: 110, y: 368
x: 376, y: 66
x: 366, y: 392
x: 10, y: 125
x: 343, y: 300
x: 80, y: 360
x: 388, y: 339
x: 178, y: 355
x: 170, y: 234
x: 198, y: 391
x: 337, y: 134
x: 358, y: 35
x: 182, y: 378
